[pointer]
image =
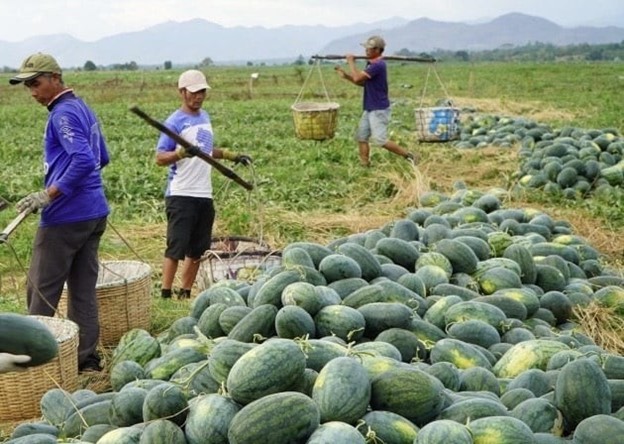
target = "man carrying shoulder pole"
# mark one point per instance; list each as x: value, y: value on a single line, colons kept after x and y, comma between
x: 373, y: 125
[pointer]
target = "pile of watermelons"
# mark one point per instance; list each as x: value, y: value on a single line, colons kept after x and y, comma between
x: 454, y: 325
x: 567, y: 161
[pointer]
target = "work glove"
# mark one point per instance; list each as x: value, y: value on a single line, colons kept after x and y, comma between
x: 243, y: 159
x: 187, y: 152
x: 11, y: 363
x: 33, y: 202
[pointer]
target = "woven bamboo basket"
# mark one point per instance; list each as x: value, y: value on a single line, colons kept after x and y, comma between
x: 124, y: 296
x: 235, y: 257
x: 315, y: 120
x: 437, y: 124
x: 21, y: 392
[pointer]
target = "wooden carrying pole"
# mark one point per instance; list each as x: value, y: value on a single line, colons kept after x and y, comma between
x: 358, y: 57
x: 186, y: 144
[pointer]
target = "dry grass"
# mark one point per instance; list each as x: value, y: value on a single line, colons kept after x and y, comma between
x: 322, y: 227
x: 440, y: 167
x: 534, y: 110
x: 603, y: 325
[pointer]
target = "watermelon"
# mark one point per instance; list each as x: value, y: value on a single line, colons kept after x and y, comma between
x: 540, y: 415
x: 369, y: 265
x: 388, y: 427
x: 285, y: 417
x: 599, y: 429
x: 340, y: 320
x: 336, y: 432
x: 162, y: 431
x: 342, y: 390
x: 444, y: 431
x: 420, y: 404
x: 271, y: 367
x: 166, y: 400
x: 527, y: 355
x: 136, y: 345
x: 581, y: 391
x: 471, y: 408
x: 25, y: 335
x: 500, y: 429
x: 209, y: 419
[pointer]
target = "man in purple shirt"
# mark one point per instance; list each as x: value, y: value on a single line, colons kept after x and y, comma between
x: 73, y: 206
x: 373, y: 125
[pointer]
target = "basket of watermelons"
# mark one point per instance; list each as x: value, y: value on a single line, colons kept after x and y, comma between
x: 52, y: 344
x: 235, y: 257
x: 437, y: 124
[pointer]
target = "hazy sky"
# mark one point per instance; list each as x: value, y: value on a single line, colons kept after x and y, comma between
x: 91, y: 20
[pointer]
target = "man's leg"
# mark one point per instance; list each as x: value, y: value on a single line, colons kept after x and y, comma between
x: 82, y: 298
x: 201, y: 241
x: 379, y: 121
x: 362, y: 135
x: 364, y: 149
x: 179, y: 219
x: 169, y: 268
x: 49, y: 266
x: 396, y: 149
x: 191, y: 266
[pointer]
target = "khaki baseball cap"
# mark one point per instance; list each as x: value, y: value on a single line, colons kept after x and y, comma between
x: 374, y: 42
x: 193, y: 81
x: 34, y: 66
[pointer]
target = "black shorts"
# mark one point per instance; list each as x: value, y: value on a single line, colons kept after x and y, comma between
x: 189, y: 226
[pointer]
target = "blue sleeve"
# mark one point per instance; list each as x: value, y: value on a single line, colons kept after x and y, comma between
x: 75, y: 140
x: 104, y: 156
x: 166, y: 143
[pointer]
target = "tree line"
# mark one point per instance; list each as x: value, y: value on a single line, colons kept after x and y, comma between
x: 534, y: 52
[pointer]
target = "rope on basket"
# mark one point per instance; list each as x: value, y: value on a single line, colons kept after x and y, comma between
x: 424, y: 91
x: 25, y: 271
x: 123, y: 239
x: 317, y: 65
x: 260, y: 209
x: 230, y: 273
x: 21, y: 265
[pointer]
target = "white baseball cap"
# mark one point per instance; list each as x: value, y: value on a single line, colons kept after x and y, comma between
x: 193, y: 80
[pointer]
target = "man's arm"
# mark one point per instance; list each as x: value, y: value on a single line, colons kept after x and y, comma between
x: 355, y: 76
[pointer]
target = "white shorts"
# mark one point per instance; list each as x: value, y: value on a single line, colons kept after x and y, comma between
x: 373, y: 126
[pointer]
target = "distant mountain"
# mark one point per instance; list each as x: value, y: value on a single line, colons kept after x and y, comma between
x: 424, y: 35
x: 192, y: 41
x: 188, y: 42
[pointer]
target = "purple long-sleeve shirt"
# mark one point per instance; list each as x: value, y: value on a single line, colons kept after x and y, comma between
x: 74, y: 154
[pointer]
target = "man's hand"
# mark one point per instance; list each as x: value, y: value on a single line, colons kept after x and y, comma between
x: 182, y: 152
x: 11, y: 363
x: 243, y: 159
x: 340, y: 71
x: 33, y: 201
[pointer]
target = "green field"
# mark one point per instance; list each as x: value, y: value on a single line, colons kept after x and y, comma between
x: 304, y: 189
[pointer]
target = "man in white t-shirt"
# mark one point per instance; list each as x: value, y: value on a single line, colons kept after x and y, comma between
x: 188, y: 195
